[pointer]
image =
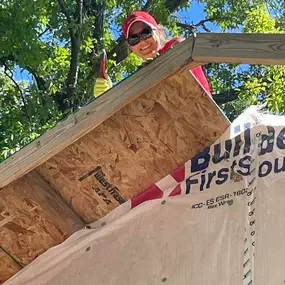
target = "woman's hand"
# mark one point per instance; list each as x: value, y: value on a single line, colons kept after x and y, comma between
x: 102, y: 85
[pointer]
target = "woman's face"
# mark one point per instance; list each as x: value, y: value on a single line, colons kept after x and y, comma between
x: 146, y: 48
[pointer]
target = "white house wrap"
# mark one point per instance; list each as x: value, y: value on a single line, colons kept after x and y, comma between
x: 218, y: 219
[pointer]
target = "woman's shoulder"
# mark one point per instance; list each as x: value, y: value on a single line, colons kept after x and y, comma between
x: 170, y: 43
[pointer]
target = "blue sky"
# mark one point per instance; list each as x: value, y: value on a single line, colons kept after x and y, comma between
x: 195, y: 14
x: 192, y: 15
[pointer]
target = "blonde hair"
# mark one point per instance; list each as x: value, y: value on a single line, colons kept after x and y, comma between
x: 160, y: 36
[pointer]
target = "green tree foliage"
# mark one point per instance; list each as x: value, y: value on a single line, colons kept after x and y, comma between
x: 58, y: 44
x: 238, y: 86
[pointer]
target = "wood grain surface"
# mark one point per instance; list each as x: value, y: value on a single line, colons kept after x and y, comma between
x: 267, y: 49
x: 8, y: 267
x: 137, y: 146
x: 33, y: 218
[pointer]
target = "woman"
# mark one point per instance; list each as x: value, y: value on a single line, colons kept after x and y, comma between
x: 146, y: 39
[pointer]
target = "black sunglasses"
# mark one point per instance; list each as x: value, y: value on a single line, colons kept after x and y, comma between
x: 134, y: 39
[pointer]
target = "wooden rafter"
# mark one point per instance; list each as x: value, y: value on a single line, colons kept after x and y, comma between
x: 233, y: 48
x: 267, y: 49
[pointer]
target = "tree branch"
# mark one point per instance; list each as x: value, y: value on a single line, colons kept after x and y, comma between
x: 120, y: 50
x: 225, y: 97
x: 147, y: 5
x: 78, y: 13
x: 68, y: 18
x: 232, y: 95
x: 97, y: 10
x: 172, y: 5
x: 13, y: 80
x: 45, y: 31
x: 192, y: 28
x: 6, y: 67
x: 75, y: 49
x: 41, y: 84
x: 202, y: 22
x: 64, y: 10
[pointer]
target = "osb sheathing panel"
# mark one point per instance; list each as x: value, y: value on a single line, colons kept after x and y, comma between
x: 8, y: 267
x: 29, y: 221
x: 137, y: 146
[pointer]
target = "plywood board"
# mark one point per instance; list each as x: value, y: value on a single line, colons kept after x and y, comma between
x: 87, y: 118
x: 8, y: 267
x: 33, y: 218
x: 139, y: 145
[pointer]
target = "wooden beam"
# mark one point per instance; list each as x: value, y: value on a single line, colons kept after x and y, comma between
x: 33, y: 218
x: 232, y: 48
x: 267, y: 49
x: 8, y: 267
x: 87, y: 118
x: 53, y: 206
